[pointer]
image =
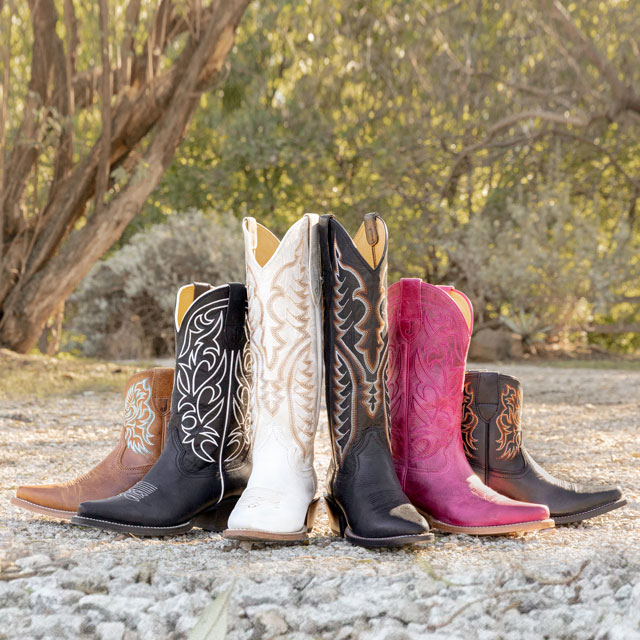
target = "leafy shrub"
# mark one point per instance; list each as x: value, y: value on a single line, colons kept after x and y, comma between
x: 124, y: 307
x: 542, y: 261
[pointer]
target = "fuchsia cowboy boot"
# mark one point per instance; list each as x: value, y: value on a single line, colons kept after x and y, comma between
x: 429, y: 332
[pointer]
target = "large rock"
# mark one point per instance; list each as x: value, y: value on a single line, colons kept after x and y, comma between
x: 491, y: 345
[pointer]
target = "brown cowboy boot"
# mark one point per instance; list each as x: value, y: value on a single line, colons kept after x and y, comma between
x: 147, y: 405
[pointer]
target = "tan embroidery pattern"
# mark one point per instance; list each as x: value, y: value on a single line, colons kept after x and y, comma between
x: 284, y: 372
x: 508, y: 422
x: 469, y: 421
x: 367, y: 360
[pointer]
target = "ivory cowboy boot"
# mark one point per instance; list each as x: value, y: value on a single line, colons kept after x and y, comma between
x: 430, y: 328
x: 364, y: 499
x: 147, y: 403
x: 204, y: 465
x: 492, y: 437
x: 283, y: 283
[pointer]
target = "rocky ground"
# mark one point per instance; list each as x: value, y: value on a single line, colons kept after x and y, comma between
x: 62, y: 581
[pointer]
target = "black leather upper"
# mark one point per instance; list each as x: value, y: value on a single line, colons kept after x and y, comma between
x: 492, y: 437
x: 361, y: 476
x: 206, y: 454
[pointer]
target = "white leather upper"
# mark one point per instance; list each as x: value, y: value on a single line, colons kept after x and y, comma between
x: 286, y: 354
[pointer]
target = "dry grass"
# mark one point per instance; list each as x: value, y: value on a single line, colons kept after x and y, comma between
x: 37, y: 376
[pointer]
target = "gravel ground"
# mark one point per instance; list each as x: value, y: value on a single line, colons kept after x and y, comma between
x: 580, y: 581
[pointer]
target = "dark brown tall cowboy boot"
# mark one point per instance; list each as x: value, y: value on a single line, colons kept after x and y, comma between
x: 492, y: 437
x: 147, y: 404
x: 364, y: 499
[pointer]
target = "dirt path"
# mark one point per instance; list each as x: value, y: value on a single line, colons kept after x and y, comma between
x: 577, y: 582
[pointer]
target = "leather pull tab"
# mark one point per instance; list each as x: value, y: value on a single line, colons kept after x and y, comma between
x: 410, y: 307
x: 199, y: 288
x: 487, y: 394
x: 252, y: 228
x: 488, y: 387
x: 315, y: 273
x: 236, y: 313
x: 371, y: 228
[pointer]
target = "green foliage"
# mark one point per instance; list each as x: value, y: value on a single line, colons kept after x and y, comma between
x: 124, y: 307
x: 494, y: 149
x: 413, y: 109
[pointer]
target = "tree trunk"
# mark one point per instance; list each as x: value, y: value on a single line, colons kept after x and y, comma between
x: 46, y: 253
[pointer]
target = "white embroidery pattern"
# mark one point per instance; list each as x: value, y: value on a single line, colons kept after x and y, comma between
x: 238, y: 439
x: 139, y: 491
x: 201, y: 369
x: 138, y: 417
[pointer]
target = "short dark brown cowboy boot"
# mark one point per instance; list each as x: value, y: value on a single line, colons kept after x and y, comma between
x: 492, y: 437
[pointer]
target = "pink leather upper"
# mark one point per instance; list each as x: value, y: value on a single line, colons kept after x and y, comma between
x: 428, y: 344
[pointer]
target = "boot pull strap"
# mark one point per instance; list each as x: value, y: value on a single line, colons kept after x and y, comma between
x: 252, y: 228
x: 371, y: 228
x: 235, y: 317
x: 315, y: 273
x: 324, y: 239
x: 199, y: 288
x: 488, y: 394
x: 410, y: 307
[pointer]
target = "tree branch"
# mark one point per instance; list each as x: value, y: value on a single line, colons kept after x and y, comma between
x: 102, y: 178
x: 62, y: 273
x: 626, y: 97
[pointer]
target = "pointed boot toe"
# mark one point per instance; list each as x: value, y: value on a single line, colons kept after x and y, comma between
x: 492, y: 435
x: 49, y: 500
x: 585, y: 503
x: 262, y: 516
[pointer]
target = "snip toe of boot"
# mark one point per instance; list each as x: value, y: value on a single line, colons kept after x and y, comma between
x: 275, y: 516
x: 592, y: 503
x: 50, y: 500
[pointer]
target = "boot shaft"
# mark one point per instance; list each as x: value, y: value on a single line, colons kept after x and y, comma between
x: 147, y: 404
x: 429, y: 329
x: 283, y: 284
x: 355, y: 330
x: 209, y: 413
x: 491, y: 421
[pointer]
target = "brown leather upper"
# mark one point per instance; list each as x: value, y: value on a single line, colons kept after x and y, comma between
x: 147, y: 405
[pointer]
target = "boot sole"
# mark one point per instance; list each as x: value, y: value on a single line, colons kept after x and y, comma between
x: 258, y: 535
x: 590, y: 513
x: 494, y: 530
x: 212, y: 519
x: 40, y: 509
x: 340, y: 528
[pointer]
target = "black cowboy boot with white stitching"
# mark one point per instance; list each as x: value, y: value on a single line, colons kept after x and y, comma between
x: 492, y: 437
x: 364, y: 499
x: 204, y: 466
